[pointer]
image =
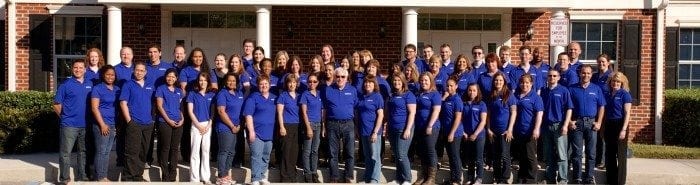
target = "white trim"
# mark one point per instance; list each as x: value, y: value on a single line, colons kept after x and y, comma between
x: 59, y: 1
x: 596, y: 15
x: 452, y: 10
x: 688, y: 23
x: 689, y: 62
x: 11, y: 46
x: 375, y: 3
x: 75, y: 10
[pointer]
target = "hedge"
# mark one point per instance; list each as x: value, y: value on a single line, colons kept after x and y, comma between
x: 681, y: 117
x: 27, y: 122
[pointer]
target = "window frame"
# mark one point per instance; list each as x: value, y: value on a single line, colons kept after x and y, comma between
x: 613, y: 61
x: 56, y: 57
x: 687, y: 62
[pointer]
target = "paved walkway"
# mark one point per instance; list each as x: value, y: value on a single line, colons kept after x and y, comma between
x: 42, y: 168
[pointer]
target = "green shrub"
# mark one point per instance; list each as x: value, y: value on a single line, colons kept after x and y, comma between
x: 681, y: 117
x: 27, y: 122
x: 664, y: 152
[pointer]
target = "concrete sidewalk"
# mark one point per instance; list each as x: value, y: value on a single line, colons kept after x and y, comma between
x: 41, y: 168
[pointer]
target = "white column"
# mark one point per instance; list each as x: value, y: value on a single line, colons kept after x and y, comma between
x: 557, y: 13
x: 263, y: 28
x: 114, y: 34
x: 410, y: 26
x: 11, y: 46
x: 659, y: 80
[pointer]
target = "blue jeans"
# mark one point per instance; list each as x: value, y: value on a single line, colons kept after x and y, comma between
x: 310, y: 149
x: 583, y: 134
x: 453, y: 149
x: 400, y: 147
x: 373, y: 161
x: 227, y: 149
x: 341, y: 130
x: 428, y: 158
x: 259, y: 158
x: 554, y: 148
x: 474, y: 154
x: 69, y: 137
x: 103, y: 146
x: 502, y: 159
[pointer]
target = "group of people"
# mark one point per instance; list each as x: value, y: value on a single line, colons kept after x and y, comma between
x: 479, y: 110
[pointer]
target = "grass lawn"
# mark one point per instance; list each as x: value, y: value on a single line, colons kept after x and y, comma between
x: 664, y: 152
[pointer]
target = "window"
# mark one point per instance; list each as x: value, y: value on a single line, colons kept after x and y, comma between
x: 73, y: 36
x: 689, y: 58
x: 595, y: 38
x: 466, y: 22
x: 211, y: 19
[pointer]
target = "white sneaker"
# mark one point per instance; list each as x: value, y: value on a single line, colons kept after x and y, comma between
x: 264, y: 182
x: 406, y: 183
x: 256, y: 183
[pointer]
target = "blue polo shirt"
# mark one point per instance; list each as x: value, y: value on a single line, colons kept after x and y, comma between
x: 568, y: 78
x: 188, y: 75
x: 414, y: 87
x: 233, y: 102
x: 73, y: 97
x: 138, y: 100
x: 424, y: 106
x: 464, y: 80
x: 485, y: 83
x: 420, y: 64
x: 441, y: 81
x: 243, y: 78
x: 528, y: 106
x: 247, y: 64
x: 367, y: 107
x: 263, y: 112
x: 572, y: 65
x: 518, y: 72
x: 314, y: 106
x: 340, y: 103
x: 357, y: 79
x: 602, y: 81
x: 471, y: 117
x: 542, y: 72
x: 586, y: 100
x: 273, y: 84
x: 123, y: 73
x: 156, y: 73
x: 449, y: 68
x: 202, y: 104
x: 290, y: 114
x: 397, y: 110
x: 450, y: 107
x: 93, y: 76
x: 500, y: 113
x: 508, y: 68
x: 384, y: 88
x: 303, y: 82
x: 108, y: 102
x: 172, y: 101
x: 615, y: 107
x: 556, y: 101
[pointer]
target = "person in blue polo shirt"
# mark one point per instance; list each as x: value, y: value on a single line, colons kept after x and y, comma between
x: 156, y: 68
x: 196, y: 63
x: 446, y: 63
x: 259, y: 112
x: 411, y: 73
x: 229, y: 103
x: 478, y: 55
x: 486, y: 78
x: 429, y: 103
x: 525, y: 68
x: 617, y: 114
x: 125, y: 69
x: 135, y: 103
x: 311, y: 108
x: 288, y: 123
x: 567, y: 73
x: 199, y: 105
x: 557, y: 113
x: 170, y: 121
x: 440, y: 76
x: 464, y: 73
x: 70, y: 104
x: 411, y: 55
x: 401, y: 112
x: 527, y: 128
x: 451, y: 132
x: 247, y: 56
x: 103, y: 103
x: 600, y: 78
x: 370, y: 108
x: 589, y: 103
x: 502, y: 110
x: 474, y: 115
x: 372, y: 69
x: 340, y: 100
x: 540, y: 65
x: 95, y: 61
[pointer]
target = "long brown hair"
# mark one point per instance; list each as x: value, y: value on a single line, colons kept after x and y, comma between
x: 477, y: 99
x: 504, y: 93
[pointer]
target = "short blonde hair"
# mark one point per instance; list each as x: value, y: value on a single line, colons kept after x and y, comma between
x: 619, y: 76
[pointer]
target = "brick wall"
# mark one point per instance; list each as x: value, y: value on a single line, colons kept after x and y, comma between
x: 540, y: 23
x: 346, y: 28
x: 24, y: 10
x: 132, y: 37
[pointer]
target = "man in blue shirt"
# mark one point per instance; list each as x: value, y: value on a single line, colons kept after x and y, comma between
x: 557, y: 113
x: 574, y: 52
x: 340, y: 100
x: 247, y: 57
x: 135, y: 103
x: 411, y: 55
x: 156, y: 76
x: 70, y: 104
x: 478, y: 65
x: 507, y: 66
x: 567, y: 74
x: 539, y: 64
x: 445, y: 54
x: 125, y: 69
x: 179, y: 54
x: 589, y: 104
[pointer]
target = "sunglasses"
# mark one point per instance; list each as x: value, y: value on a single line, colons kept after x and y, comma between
x: 313, y: 82
x: 552, y: 75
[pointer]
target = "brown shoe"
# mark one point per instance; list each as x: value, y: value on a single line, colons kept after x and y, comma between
x: 422, y: 173
x: 432, y: 171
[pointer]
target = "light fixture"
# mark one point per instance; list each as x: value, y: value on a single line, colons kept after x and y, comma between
x: 289, y: 29
x: 528, y: 33
x: 382, y: 30
x: 142, y: 28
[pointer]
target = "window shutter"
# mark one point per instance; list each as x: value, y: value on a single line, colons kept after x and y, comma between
x: 40, y: 63
x: 630, y: 55
x: 671, y: 65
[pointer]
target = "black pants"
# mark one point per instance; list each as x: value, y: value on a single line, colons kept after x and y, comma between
x: 151, y: 145
x: 168, y: 150
x: 185, y: 151
x: 615, y: 152
x: 136, y: 144
x: 289, y: 150
x: 526, y: 149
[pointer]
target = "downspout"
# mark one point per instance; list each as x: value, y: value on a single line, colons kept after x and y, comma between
x: 11, y: 46
x: 660, y: 64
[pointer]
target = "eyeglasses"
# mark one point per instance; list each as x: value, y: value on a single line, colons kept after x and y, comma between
x: 313, y: 82
x: 475, y: 53
x: 338, y: 76
x: 552, y: 75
